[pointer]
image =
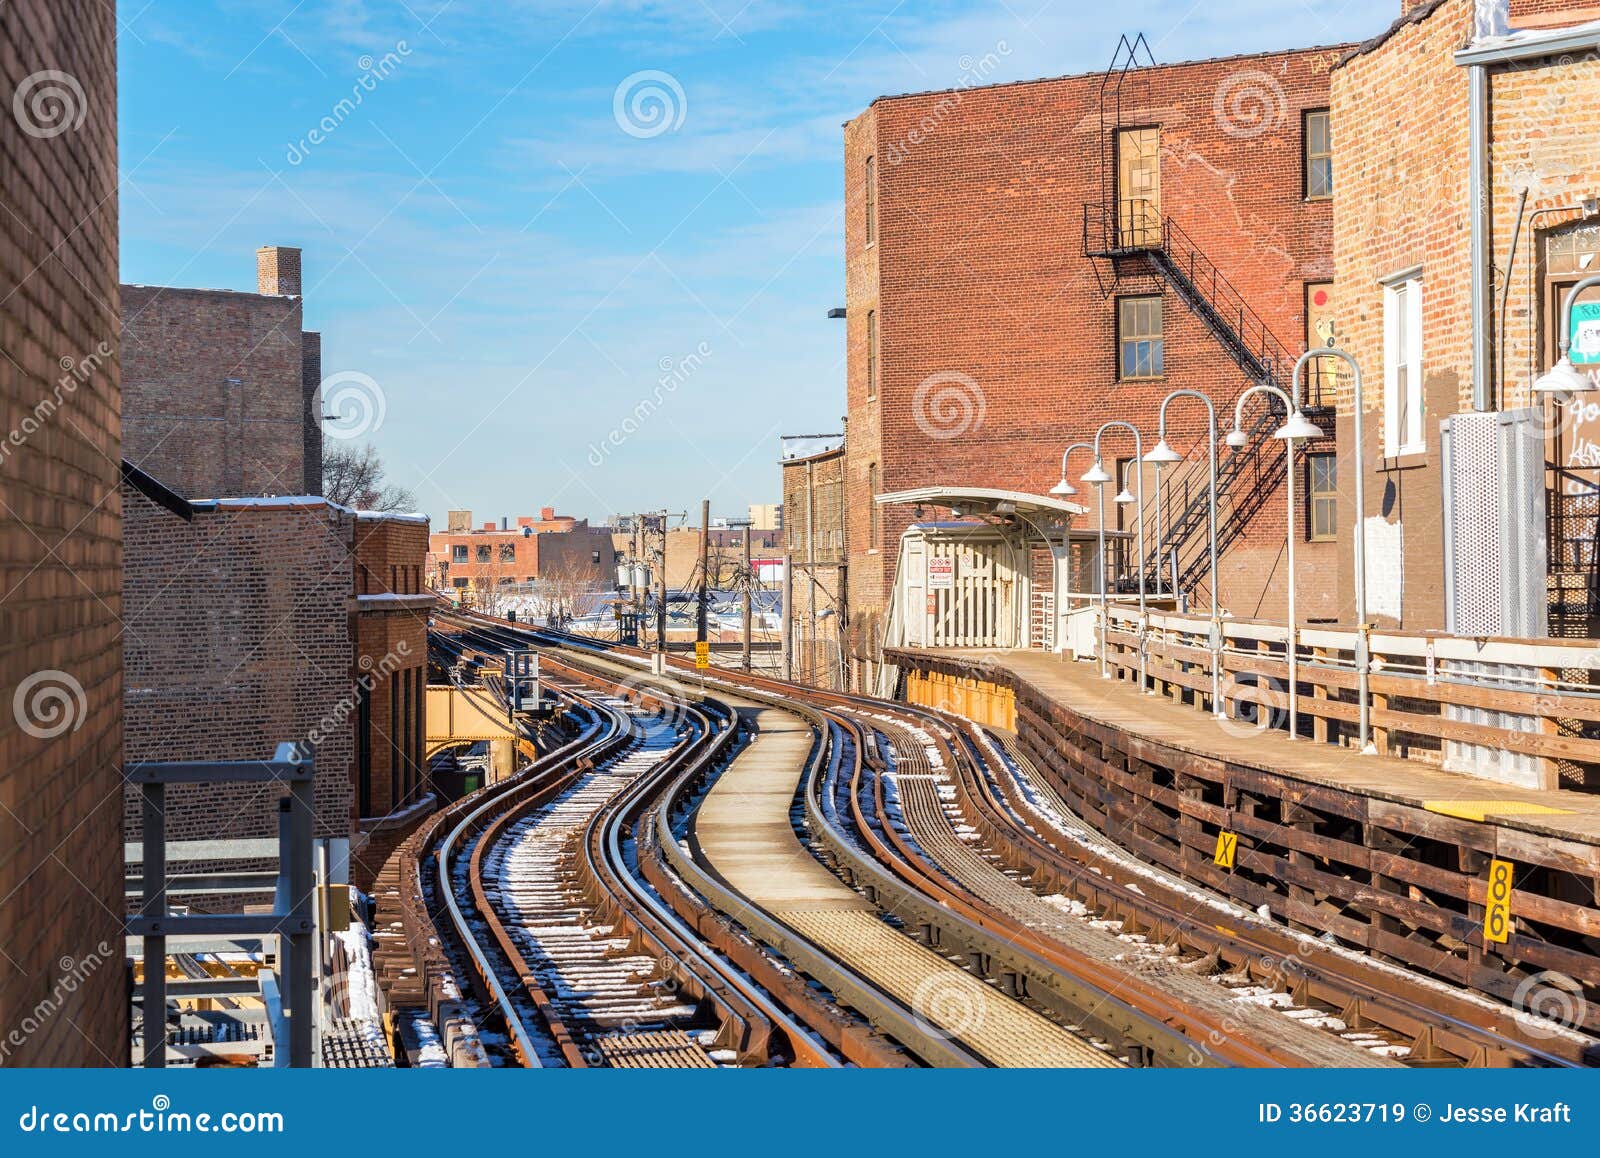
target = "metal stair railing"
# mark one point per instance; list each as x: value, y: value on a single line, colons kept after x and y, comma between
x: 1133, y: 228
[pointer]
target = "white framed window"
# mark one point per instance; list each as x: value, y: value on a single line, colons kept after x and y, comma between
x: 1402, y: 366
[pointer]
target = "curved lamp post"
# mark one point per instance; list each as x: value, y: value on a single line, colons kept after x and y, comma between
x: 1296, y: 430
x: 1363, y: 630
x: 1098, y: 477
x: 1564, y: 378
x: 1063, y: 489
x: 1162, y: 453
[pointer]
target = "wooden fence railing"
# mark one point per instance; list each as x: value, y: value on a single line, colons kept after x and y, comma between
x: 1514, y: 710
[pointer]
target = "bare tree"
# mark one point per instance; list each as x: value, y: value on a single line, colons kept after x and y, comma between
x: 354, y: 477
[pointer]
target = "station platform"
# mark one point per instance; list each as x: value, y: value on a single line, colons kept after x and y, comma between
x: 1557, y: 813
x: 1388, y: 855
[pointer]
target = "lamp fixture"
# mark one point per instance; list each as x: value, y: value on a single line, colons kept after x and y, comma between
x: 1563, y: 378
x: 1097, y: 474
x: 1063, y: 488
x: 1237, y: 439
x: 1161, y: 454
x: 1299, y: 428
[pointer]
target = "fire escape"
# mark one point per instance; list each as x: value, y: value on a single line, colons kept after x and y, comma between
x: 1130, y: 236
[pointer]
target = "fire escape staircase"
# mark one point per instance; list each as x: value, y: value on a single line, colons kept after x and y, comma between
x: 1130, y: 235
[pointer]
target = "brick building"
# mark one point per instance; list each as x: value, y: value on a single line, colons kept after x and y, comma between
x: 62, y: 988
x: 259, y: 612
x: 550, y: 547
x: 1026, y: 261
x: 1418, y: 212
x: 221, y: 388
x: 813, y: 503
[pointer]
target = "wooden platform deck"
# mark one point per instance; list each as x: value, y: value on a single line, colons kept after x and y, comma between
x: 1560, y: 814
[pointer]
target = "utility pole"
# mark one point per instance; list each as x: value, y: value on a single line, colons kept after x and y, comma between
x: 661, y: 594
x: 786, y: 632
x: 749, y: 596
x: 705, y: 569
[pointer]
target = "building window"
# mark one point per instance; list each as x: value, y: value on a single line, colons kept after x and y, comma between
x: 458, y: 584
x: 1322, y: 506
x: 508, y: 552
x: 872, y: 200
x: 1139, y: 338
x: 595, y: 558
x: 1402, y: 367
x: 483, y: 554
x: 458, y: 553
x: 1316, y: 131
x: 1317, y: 134
x: 874, y: 525
x: 872, y: 354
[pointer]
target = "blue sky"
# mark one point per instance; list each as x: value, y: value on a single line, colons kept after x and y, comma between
x: 512, y: 253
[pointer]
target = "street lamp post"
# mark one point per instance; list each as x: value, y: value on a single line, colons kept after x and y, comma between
x: 1098, y: 476
x: 1162, y: 453
x: 1065, y: 489
x: 1363, y: 630
x: 1296, y: 430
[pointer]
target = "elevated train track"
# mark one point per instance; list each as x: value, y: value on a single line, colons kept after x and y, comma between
x: 1035, y: 940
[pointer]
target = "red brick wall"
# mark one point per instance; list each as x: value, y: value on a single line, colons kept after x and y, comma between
x: 238, y: 638
x: 391, y: 656
x: 214, y: 401
x: 62, y: 990
x: 978, y: 271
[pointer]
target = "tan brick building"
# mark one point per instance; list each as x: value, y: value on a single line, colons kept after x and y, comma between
x: 815, y: 517
x: 1015, y: 266
x: 221, y: 388
x: 1404, y: 230
x: 62, y: 983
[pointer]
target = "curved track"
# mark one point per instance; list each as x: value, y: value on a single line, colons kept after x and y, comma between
x: 940, y: 827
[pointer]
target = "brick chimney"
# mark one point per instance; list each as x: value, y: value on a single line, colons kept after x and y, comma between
x: 278, y: 271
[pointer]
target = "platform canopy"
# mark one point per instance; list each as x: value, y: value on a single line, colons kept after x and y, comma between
x: 984, y: 501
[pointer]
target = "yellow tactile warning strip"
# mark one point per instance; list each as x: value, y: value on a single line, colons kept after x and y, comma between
x: 669, y: 1049
x: 942, y: 996
x: 744, y: 834
x: 1481, y: 810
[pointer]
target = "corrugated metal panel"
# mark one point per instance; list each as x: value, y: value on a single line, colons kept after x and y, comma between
x: 1495, y: 565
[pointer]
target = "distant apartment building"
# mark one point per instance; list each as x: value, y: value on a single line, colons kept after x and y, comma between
x: 1025, y: 262
x: 221, y: 388
x: 469, y: 561
x: 766, y: 516
x: 63, y: 990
